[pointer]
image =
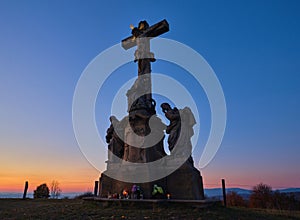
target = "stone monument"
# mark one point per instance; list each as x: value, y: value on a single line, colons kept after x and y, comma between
x: 128, y: 137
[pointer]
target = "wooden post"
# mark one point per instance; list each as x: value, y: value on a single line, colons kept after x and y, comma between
x: 96, y: 188
x: 201, y: 188
x: 224, y: 192
x: 25, y: 190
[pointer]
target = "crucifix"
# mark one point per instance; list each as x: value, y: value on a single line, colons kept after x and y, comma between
x: 138, y: 139
x: 141, y: 36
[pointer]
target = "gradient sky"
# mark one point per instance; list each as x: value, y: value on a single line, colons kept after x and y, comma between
x: 253, y: 47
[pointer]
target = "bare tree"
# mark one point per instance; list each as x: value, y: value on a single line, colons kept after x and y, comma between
x: 55, y: 189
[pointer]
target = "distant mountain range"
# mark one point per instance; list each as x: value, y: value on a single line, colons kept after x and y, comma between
x: 245, y: 193
x: 210, y: 193
x: 30, y: 195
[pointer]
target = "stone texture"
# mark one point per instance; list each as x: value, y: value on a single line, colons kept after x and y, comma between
x: 125, y: 137
x: 185, y: 183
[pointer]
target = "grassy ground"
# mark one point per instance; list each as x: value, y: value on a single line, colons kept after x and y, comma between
x: 79, y: 209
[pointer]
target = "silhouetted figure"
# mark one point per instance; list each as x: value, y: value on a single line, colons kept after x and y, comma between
x: 173, y: 129
x: 115, y: 143
x: 180, y: 130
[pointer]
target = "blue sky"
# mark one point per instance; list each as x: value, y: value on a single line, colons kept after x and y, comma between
x: 253, y: 47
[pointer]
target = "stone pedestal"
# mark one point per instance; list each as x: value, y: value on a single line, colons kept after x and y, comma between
x: 111, y: 186
x: 185, y: 183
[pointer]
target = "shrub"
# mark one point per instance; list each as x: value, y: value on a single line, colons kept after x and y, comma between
x: 261, y: 196
x: 284, y: 201
x: 42, y: 191
x: 234, y: 199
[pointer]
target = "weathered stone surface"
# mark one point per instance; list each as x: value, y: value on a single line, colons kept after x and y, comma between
x: 185, y: 183
x: 109, y: 186
x: 139, y: 137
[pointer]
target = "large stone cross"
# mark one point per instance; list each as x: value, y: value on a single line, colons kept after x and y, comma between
x: 140, y: 37
x: 143, y: 30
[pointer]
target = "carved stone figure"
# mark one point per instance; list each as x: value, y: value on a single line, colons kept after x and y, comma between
x: 141, y: 106
x: 133, y: 152
x: 142, y: 54
x: 173, y: 129
x: 115, y: 143
x: 137, y: 95
x: 180, y: 129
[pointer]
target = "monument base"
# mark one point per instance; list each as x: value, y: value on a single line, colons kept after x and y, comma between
x: 110, y: 186
x: 185, y: 183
